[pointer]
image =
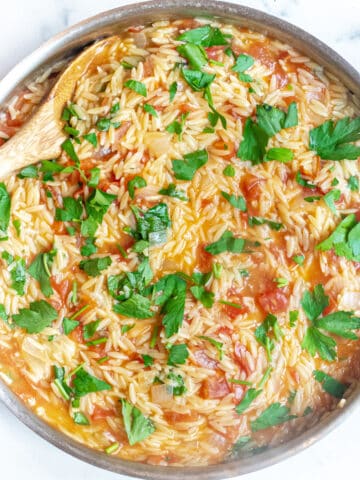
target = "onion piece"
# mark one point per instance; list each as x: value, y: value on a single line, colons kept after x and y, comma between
x: 158, y: 143
x: 140, y: 39
x: 161, y: 394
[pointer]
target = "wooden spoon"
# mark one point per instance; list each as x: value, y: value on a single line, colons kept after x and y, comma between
x: 40, y: 138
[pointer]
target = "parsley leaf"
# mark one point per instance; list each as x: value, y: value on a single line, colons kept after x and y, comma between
x: 249, y: 397
x: 90, y: 328
x: 136, y: 306
x: 85, y: 383
x: 30, y: 171
x: 123, y: 285
x: 331, y: 141
x: 172, y: 91
x: 330, y: 384
x: 261, y: 333
x: 275, y: 414
x: 94, y: 266
x: 345, y: 239
x: 96, y: 206
x: 68, y: 148
x: 236, y: 202
x: 80, y: 419
x: 303, y: 182
x: 197, y: 80
x: 172, y: 290
x: 4, y: 211
x: 185, y: 169
x: 270, y: 120
x: 315, y: 341
x: 229, y: 171
x: 69, y: 325
x: 242, y: 63
x: 89, y: 247
x: 137, y: 426
x: 94, y: 177
x: 353, y: 183
x: 17, y: 270
x: 195, y: 54
x: 136, y: 86
x: 34, y: 319
x: 148, y: 360
x: 178, y: 354
x: 40, y: 270
x: 281, y: 154
x: 91, y: 138
x: 206, y: 36
x: 339, y: 323
x: 150, y: 110
x: 226, y: 243
x: 171, y: 191
x: 261, y: 221
x: 203, y: 295
x: 176, y: 384
x: 332, y: 197
x: 136, y: 182
x: 294, y: 315
x: 214, y: 116
x: 253, y: 145
x: 218, y: 345
x: 152, y: 224
x: 72, y: 210
x: 315, y: 302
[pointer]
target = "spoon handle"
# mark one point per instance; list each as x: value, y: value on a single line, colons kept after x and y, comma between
x: 39, y: 139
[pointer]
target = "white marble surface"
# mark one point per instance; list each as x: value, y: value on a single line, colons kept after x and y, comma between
x: 25, y: 25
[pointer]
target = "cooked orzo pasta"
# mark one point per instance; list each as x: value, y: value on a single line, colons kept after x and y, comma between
x: 182, y: 283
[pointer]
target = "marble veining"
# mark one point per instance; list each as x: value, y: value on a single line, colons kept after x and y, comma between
x: 25, y: 25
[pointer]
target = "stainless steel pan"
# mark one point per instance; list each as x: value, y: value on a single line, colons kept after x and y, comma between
x: 66, y: 44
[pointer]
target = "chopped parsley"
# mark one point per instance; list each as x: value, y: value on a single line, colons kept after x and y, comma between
x: 353, y: 183
x: 339, y: 323
x: 69, y: 325
x: 150, y: 110
x: 152, y: 224
x: 270, y: 120
x: 137, y: 87
x: 137, y: 426
x: 345, y: 239
x: 73, y: 210
x: 30, y: 171
x: 229, y: 171
x: 330, y: 384
x: 148, y: 360
x: 94, y: 266
x: 242, y: 63
x: 171, y: 291
x: 299, y: 259
x: 236, y: 202
x: 34, y: 319
x: 40, y: 270
x: 269, y: 325
x: 171, y: 191
x: 303, y: 182
x: 195, y: 54
x: 206, y: 36
x: 17, y: 270
x: 293, y: 317
x: 136, y: 182
x: 218, y: 345
x: 186, y: 168
x: 279, y: 154
x: 172, y: 91
x: 331, y: 197
x: 94, y: 177
x: 80, y: 419
x: 91, y: 138
x: 226, y: 243
x: 214, y: 116
x: 89, y: 248
x: 5, y: 203
x: 275, y: 414
x: 332, y: 141
x: 84, y: 383
x: 178, y: 354
x: 265, y: 221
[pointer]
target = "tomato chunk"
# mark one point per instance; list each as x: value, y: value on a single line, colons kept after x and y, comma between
x: 273, y: 301
x: 215, y: 387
